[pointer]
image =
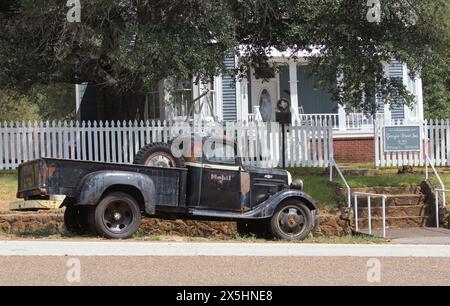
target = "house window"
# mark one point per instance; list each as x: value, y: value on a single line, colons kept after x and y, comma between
x: 152, y: 103
x: 209, y: 110
x: 183, y: 97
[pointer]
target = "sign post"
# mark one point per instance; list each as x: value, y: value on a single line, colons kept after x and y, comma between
x: 284, y: 117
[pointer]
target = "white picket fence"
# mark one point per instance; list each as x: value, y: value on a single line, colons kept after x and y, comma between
x: 436, y: 143
x: 438, y: 132
x: 118, y: 142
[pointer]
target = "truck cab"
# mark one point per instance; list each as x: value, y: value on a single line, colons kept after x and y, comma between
x: 220, y: 186
x: 218, y: 181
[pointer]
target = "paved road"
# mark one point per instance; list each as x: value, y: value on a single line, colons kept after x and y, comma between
x: 129, y: 263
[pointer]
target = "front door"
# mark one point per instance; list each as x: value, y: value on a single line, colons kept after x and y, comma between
x: 265, y: 95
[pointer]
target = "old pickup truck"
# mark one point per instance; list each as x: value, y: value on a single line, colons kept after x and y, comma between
x: 109, y: 199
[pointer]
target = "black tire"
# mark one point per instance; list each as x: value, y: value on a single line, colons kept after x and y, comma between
x: 158, y: 155
x: 244, y: 228
x: 292, y: 221
x: 91, y: 220
x: 76, y: 219
x: 117, y: 216
x: 248, y: 228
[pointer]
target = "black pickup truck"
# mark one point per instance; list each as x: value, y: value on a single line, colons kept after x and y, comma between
x: 109, y: 199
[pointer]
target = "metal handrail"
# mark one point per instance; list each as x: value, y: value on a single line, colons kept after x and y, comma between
x: 369, y: 210
x: 437, y: 191
x: 333, y: 164
x: 429, y: 162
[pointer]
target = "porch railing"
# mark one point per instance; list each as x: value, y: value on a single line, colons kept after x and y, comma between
x: 315, y: 119
x: 352, y: 122
x: 358, y: 121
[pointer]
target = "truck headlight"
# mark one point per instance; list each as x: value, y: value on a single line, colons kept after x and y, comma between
x: 297, y: 184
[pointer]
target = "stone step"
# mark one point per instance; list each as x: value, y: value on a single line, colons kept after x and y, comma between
x: 358, y: 172
x: 395, y: 200
x: 397, y: 222
x: 390, y: 190
x: 396, y: 211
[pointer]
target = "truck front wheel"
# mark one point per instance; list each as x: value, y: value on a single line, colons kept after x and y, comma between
x: 117, y: 216
x: 292, y: 220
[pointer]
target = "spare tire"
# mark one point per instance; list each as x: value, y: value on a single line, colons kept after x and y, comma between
x: 158, y: 155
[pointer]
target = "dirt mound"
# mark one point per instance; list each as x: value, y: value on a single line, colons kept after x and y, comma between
x: 29, y: 223
x: 203, y: 229
x: 52, y: 223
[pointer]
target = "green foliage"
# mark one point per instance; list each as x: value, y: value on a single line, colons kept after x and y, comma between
x: 130, y: 45
x: 436, y: 81
x: 16, y: 107
x: 435, y: 74
x: 350, y: 46
x: 52, y: 102
x: 55, y: 102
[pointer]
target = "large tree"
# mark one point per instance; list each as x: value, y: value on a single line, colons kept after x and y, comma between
x: 129, y: 45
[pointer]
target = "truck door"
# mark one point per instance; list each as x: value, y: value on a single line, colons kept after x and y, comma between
x: 221, y: 179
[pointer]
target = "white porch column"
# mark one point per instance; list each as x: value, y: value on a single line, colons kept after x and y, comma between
x: 242, y: 100
x: 387, y: 114
x: 387, y: 108
x: 342, y: 118
x: 419, y: 93
x: 77, y: 101
x: 218, y: 98
x: 342, y: 114
x: 293, y: 82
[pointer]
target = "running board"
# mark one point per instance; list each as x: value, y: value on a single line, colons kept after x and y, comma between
x: 221, y: 214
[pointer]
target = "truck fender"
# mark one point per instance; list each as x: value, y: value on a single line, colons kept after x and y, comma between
x: 93, y: 186
x: 267, y: 209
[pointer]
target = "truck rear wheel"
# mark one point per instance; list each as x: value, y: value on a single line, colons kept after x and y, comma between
x: 76, y: 219
x: 158, y: 155
x: 117, y: 216
x: 292, y: 220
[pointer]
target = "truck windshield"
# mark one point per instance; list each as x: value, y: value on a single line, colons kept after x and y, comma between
x: 220, y: 153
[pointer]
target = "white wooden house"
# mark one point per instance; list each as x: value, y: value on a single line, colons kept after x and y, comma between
x: 252, y: 99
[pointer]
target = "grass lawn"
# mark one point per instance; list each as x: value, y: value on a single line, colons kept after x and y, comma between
x: 176, y: 239
x: 317, y: 185
x: 321, y: 240
x: 391, y: 178
x: 8, y: 188
x: 316, y: 182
